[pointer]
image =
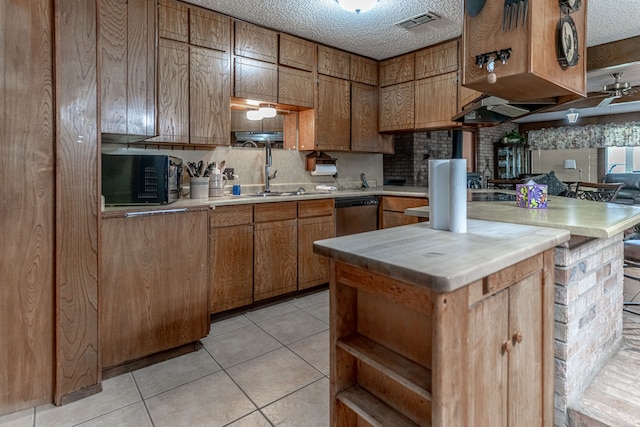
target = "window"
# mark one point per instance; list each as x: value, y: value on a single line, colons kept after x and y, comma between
x: 622, y: 159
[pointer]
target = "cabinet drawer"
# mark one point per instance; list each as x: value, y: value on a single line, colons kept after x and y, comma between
x: 265, y: 212
x: 223, y: 216
x: 321, y: 207
x: 399, y: 204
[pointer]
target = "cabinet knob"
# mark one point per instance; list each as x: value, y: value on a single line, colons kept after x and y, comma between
x: 507, y: 346
x: 517, y: 337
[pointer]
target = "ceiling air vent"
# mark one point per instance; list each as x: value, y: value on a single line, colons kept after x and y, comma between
x: 418, y: 20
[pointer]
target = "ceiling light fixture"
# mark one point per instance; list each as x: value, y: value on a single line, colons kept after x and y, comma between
x: 267, y: 110
x: 357, y: 6
x: 572, y: 116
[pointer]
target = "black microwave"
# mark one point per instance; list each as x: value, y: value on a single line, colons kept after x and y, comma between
x: 140, y: 179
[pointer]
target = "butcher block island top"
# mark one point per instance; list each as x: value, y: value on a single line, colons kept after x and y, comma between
x: 440, y: 260
x: 434, y: 328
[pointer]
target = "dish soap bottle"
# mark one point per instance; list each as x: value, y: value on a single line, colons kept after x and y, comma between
x: 236, y: 191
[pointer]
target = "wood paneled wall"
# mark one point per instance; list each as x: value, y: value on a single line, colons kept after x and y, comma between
x: 26, y: 207
x: 76, y: 206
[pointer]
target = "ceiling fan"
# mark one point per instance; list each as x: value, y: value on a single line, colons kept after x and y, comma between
x: 615, y: 90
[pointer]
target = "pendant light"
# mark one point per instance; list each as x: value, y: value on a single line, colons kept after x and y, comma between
x: 357, y: 6
x: 572, y: 116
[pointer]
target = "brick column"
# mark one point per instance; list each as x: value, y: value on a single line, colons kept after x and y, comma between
x: 588, y: 315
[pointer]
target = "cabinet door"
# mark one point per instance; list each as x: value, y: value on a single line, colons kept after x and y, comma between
x: 297, y: 53
x: 364, y: 118
x: 154, y: 284
x: 333, y: 62
x: 256, y: 80
x: 275, y: 260
x: 173, y: 91
x: 231, y: 267
x: 295, y: 87
x: 209, y: 29
x: 333, y: 114
x: 436, y: 101
x: 525, y: 370
x: 397, y: 70
x: 396, y: 108
x: 127, y: 71
x: 436, y: 60
x: 173, y: 20
x: 209, y: 99
x: 363, y: 70
x: 252, y: 41
x: 313, y: 269
x: 488, y: 330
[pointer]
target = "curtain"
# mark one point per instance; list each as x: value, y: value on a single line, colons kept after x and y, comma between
x: 590, y: 136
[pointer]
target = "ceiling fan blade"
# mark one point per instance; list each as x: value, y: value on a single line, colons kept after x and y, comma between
x: 608, y: 100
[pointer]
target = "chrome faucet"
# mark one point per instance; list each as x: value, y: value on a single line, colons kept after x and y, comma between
x: 268, y: 162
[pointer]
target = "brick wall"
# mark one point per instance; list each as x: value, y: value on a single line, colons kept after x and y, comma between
x: 413, y: 151
x: 588, y: 316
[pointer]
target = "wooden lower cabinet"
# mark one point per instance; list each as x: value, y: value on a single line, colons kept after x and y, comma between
x: 392, y: 210
x: 316, y: 221
x: 275, y: 246
x: 405, y: 355
x: 230, y: 257
x: 154, y: 288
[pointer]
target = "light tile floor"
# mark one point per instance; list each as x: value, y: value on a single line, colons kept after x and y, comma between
x: 261, y: 368
x: 265, y: 367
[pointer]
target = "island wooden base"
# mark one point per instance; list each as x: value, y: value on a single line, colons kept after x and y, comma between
x: 402, y: 354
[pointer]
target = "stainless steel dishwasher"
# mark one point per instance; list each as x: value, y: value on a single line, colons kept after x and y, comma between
x: 356, y: 214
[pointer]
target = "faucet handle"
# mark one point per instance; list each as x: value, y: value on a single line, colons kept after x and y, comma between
x: 274, y: 174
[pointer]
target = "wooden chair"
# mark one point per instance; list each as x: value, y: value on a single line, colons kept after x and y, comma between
x: 598, y: 192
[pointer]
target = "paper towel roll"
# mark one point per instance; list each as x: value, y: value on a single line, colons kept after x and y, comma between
x: 324, y: 169
x: 458, y: 195
x: 439, y: 194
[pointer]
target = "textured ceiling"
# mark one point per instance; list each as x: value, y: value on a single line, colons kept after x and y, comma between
x: 375, y: 35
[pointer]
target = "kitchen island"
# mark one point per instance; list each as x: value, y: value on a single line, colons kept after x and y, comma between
x: 589, y: 283
x: 437, y: 328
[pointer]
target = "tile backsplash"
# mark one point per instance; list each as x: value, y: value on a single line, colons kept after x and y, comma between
x: 248, y: 164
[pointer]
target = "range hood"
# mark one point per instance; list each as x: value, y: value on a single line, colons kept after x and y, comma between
x: 489, y: 109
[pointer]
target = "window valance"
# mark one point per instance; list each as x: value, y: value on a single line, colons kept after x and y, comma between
x: 590, y: 136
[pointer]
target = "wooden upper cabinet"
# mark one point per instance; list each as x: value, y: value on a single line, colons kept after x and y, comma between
x: 363, y: 70
x: 333, y: 62
x: 209, y: 99
x: 252, y: 41
x: 173, y: 93
x: 436, y: 101
x: 256, y: 80
x: 397, y: 70
x: 173, y: 20
x: 436, y: 60
x: 127, y: 72
x: 327, y: 127
x: 396, y: 107
x: 364, y: 118
x: 209, y: 29
x: 295, y: 87
x: 297, y: 53
x: 532, y: 70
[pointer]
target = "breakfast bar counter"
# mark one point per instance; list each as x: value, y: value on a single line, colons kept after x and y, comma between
x: 438, y: 328
x: 589, y: 284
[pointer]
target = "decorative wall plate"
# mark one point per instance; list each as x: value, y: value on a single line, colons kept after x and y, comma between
x: 567, y: 42
x: 568, y: 6
x: 474, y: 7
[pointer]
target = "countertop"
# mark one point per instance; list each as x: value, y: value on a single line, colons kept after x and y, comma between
x: 251, y: 198
x: 580, y: 217
x: 442, y: 260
